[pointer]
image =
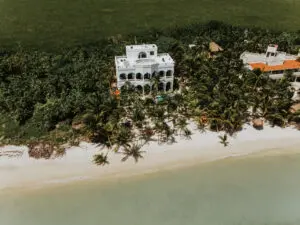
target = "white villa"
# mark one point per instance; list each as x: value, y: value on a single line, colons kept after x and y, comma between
x: 273, y: 62
x: 140, y: 64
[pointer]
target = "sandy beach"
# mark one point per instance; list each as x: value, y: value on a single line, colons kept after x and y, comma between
x: 24, y: 172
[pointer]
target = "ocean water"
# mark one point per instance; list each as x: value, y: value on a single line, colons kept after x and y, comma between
x: 254, y: 190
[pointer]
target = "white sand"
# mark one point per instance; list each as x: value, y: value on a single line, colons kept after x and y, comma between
x: 24, y: 172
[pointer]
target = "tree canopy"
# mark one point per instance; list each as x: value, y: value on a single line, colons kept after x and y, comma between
x: 65, y: 96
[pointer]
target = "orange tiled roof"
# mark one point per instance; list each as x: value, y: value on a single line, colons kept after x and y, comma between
x: 287, y: 64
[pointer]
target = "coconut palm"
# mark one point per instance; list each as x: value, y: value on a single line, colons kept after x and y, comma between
x: 122, y: 136
x: 187, y: 133
x: 155, y: 79
x: 133, y: 151
x: 223, y: 140
x: 181, y: 125
x: 100, y: 159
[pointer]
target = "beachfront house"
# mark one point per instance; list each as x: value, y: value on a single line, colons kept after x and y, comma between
x: 273, y: 62
x: 140, y: 64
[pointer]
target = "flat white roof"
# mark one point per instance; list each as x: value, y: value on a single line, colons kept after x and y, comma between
x: 141, y: 47
x: 249, y: 57
x: 162, y: 59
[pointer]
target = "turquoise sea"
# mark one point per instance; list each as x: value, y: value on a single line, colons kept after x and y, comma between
x: 256, y: 190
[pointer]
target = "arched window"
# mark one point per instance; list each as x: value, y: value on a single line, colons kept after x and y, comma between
x: 142, y: 55
x: 169, y: 73
x: 154, y: 74
x: 147, y: 76
x: 138, y: 76
x: 161, y: 73
x: 161, y: 86
x: 122, y: 76
x: 130, y: 76
x: 168, y: 86
x: 147, y: 89
x: 139, y: 88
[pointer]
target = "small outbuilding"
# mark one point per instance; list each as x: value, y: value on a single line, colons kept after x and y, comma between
x: 214, y: 47
x: 258, y: 123
x: 294, y: 108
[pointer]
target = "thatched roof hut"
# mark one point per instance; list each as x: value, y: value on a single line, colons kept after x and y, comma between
x: 294, y: 108
x: 258, y: 123
x: 214, y: 47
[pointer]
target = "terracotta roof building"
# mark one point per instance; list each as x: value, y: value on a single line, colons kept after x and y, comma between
x: 273, y: 62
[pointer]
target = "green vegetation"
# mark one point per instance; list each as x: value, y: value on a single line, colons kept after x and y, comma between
x: 101, y: 159
x: 61, y: 23
x: 65, y: 96
x: 223, y: 140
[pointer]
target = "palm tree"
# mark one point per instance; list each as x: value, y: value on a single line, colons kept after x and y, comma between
x: 181, y: 125
x: 167, y: 133
x: 155, y: 79
x: 133, y: 151
x: 187, y: 133
x: 223, y: 140
x: 122, y: 136
x: 100, y: 159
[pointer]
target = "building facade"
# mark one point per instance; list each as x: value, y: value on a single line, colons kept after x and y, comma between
x: 140, y: 64
x: 273, y: 62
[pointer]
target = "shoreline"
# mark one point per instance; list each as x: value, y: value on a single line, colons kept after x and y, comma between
x: 24, y: 173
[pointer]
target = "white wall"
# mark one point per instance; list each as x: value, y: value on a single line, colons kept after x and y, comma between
x: 146, y: 66
x: 133, y: 54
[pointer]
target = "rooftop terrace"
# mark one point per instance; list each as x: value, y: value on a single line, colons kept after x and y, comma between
x: 162, y: 59
x: 272, y: 60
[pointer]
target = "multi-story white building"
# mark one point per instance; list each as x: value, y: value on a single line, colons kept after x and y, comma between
x: 273, y: 62
x: 140, y: 64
